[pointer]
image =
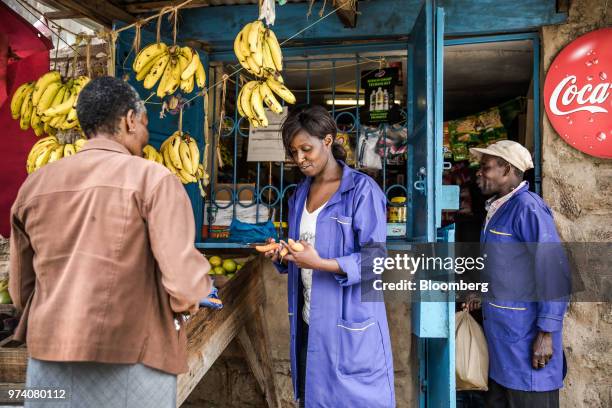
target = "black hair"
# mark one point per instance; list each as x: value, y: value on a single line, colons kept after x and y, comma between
x: 315, y: 120
x: 502, y: 163
x: 103, y: 102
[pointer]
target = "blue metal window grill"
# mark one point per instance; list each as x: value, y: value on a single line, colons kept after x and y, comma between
x: 342, y: 76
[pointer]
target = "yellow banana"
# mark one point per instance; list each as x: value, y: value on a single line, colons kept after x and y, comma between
x: 156, y: 72
x: 238, y: 104
x: 244, y: 40
x: 175, y: 79
x: 281, y: 90
x: 187, y: 52
x: 191, y: 68
x: 187, y: 85
x: 245, y: 99
x: 26, y: 113
x: 61, y: 109
x: 255, y: 69
x: 166, y: 77
x: 56, y: 154
x: 194, y: 153
x: 174, y: 152
x: 268, y: 62
x: 186, y: 177
x: 39, y: 130
x: 140, y: 75
x: 167, y: 160
x: 257, y: 104
x: 185, y: 157
x: 275, y: 49
x: 35, y: 120
x: 69, y: 149
x: 200, y: 75
x: 147, y: 54
x: 59, y: 97
x: 42, y: 158
x: 79, y: 143
x: 253, y: 35
x: 42, y: 83
x: 19, y: 97
x: 269, y: 98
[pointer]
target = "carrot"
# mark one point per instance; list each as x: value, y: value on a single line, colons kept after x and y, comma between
x: 269, y: 247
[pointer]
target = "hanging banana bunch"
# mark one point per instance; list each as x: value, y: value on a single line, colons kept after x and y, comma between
x: 48, y: 104
x: 182, y: 157
x: 258, y: 50
x: 49, y: 149
x: 170, y: 67
x: 151, y: 153
x: 254, y: 94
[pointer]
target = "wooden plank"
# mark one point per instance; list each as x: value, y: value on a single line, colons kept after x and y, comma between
x: 13, y: 364
x: 63, y: 15
x: 151, y: 6
x: 5, y: 387
x: 347, y: 13
x: 210, y: 331
x: 258, y: 334
x: 103, y: 12
x: 251, y: 357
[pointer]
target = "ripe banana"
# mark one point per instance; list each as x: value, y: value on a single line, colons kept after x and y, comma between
x: 200, y: 75
x: 140, y: 75
x: 79, y: 143
x: 269, y: 98
x: 19, y: 97
x: 56, y: 154
x: 186, y: 163
x: 48, y: 97
x: 26, y: 113
x: 281, y: 90
x: 147, y: 54
x: 253, y: 35
x: 191, y: 67
x: 194, y: 153
x: 245, y: 99
x: 275, y: 49
x: 257, y: 104
x: 42, y: 83
x: 61, y: 109
x: 174, y: 151
x: 69, y: 149
x: 156, y: 72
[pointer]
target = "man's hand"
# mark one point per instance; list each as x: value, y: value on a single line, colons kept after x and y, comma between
x: 308, y: 258
x: 472, y: 302
x: 542, y: 350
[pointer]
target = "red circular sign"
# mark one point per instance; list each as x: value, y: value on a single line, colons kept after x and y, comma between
x: 578, y: 93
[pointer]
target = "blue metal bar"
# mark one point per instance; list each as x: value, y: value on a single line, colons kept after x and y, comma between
x: 491, y: 38
x: 235, y: 163
x: 307, y: 82
x: 537, y: 137
x: 257, y: 195
x: 357, y: 122
x: 334, y: 89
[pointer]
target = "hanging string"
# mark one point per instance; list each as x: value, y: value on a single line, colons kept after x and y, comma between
x: 57, y: 49
x: 175, y: 13
x: 322, y: 8
x: 88, y: 57
x: 165, y: 10
x: 224, y: 79
x: 137, y: 37
x: 180, y: 129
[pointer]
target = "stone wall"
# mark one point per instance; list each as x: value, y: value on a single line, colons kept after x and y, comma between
x: 578, y: 188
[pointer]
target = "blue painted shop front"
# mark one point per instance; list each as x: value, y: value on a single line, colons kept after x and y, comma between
x: 420, y: 29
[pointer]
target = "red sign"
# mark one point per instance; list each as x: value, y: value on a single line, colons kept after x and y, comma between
x: 578, y: 93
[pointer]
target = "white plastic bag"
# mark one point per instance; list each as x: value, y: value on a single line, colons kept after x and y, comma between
x: 366, y: 150
x: 471, y: 354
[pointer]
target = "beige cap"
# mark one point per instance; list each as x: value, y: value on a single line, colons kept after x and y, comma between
x: 512, y: 152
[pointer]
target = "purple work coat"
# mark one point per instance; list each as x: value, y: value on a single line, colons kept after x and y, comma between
x: 349, y: 361
x: 529, y: 287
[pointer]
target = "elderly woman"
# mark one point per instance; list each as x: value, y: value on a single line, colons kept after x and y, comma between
x: 102, y: 258
x: 340, y: 346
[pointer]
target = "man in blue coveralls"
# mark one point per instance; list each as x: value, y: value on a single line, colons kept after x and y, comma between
x: 529, y: 281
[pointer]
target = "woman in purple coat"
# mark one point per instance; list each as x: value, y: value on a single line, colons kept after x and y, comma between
x: 340, y: 346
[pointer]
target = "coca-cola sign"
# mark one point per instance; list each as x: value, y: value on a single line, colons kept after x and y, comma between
x: 578, y: 93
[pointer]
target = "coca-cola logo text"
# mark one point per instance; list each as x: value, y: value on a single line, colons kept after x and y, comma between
x: 577, y: 93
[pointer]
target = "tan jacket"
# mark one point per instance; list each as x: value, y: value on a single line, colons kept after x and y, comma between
x: 102, y: 256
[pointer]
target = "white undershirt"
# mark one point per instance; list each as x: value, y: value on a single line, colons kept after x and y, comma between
x: 308, y: 230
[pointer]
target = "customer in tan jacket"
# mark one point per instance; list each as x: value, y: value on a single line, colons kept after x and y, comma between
x: 102, y: 260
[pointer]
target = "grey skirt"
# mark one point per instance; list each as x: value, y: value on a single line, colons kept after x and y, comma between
x: 98, y: 385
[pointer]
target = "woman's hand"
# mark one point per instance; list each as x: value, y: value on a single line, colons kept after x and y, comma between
x: 274, y: 254
x: 308, y: 258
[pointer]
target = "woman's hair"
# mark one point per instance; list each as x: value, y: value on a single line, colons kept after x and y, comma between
x: 316, y: 121
x: 103, y: 102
